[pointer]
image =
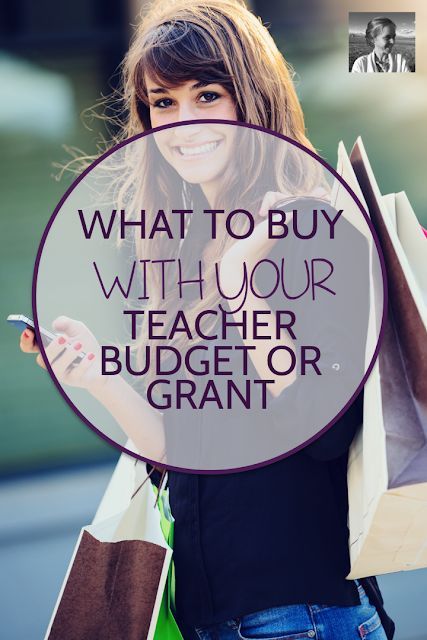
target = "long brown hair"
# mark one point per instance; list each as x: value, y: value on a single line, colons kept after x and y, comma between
x: 217, y: 41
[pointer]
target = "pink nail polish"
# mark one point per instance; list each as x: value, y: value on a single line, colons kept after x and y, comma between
x: 78, y: 346
x: 91, y: 356
x: 61, y: 340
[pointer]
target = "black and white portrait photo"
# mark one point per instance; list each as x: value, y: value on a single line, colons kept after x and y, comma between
x: 382, y: 42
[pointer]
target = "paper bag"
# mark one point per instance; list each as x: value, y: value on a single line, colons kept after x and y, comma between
x: 116, y: 580
x: 387, y: 474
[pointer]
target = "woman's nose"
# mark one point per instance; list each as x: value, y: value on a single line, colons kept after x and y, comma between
x: 187, y: 111
x: 187, y: 133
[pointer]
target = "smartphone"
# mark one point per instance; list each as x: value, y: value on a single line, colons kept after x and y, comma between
x: 21, y: 322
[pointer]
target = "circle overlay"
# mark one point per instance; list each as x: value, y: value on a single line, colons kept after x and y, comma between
x: 231, y: 289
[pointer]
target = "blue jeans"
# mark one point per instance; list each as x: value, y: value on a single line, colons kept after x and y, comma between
x: 302, y: 622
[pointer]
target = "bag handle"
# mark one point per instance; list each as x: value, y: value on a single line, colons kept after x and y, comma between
x: 164, y: 472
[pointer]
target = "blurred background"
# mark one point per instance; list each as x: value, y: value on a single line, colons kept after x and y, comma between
x: 56, y: 60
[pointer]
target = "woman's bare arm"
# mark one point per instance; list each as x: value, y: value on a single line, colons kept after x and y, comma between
x: 138, y: 419
x: 141, y: 422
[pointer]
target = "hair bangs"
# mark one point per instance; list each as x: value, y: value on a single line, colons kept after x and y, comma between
x: 180, y: 51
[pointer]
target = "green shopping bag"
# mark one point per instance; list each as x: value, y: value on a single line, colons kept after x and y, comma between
x: 167, y: 628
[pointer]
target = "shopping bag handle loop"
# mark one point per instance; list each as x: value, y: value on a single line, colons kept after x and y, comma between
x: 164, y: 472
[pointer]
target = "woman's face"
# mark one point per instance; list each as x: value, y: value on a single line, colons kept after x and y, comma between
x: 198, y: 152
x: 384, y: 41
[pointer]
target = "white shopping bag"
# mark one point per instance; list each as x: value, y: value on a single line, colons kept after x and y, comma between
x: 387, y: 475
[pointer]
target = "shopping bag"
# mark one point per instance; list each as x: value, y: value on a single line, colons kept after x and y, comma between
x: 387, y: 474
x: 167, y: 628
x: 116, y: 581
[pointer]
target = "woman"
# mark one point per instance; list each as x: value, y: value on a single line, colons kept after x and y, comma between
x: 381, y: 37
x: 252, y: 558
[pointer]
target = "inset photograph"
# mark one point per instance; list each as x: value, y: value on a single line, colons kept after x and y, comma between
x: 381, y: 42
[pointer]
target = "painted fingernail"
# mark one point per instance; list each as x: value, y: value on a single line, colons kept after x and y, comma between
x: 91, y: 356
x: 78, y: 346
x: 61, y: 340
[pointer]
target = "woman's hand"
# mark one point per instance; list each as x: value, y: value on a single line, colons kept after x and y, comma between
x: 61, y: 353
x: 258, y: 245
x: 28, y: 343
x: 250, y: 250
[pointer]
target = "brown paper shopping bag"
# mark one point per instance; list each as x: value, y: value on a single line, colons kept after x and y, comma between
x: 117, y: 575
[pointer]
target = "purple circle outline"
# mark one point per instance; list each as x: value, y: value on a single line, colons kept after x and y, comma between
x: 142, y: 135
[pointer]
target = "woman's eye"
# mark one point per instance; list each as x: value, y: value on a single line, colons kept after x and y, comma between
x: 207, y: 97
x: 210, y: 96
x: 161, y: 103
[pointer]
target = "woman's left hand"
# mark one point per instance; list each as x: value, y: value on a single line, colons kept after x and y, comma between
x: 252, y: 249
x: 258, y: 245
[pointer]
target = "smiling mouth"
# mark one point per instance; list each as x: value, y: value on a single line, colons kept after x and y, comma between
x: 199, y: 150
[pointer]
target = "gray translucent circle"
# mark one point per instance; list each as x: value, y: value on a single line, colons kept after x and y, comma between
x: 229, y: 278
